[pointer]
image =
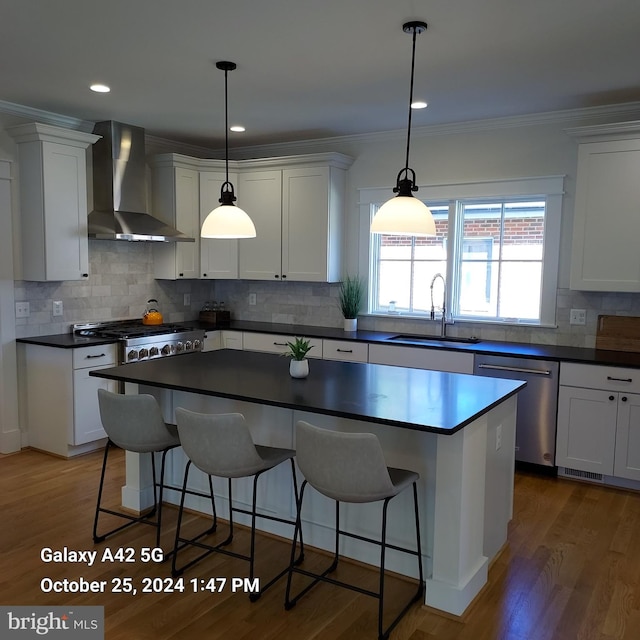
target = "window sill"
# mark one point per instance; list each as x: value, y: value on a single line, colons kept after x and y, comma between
x: 462, y: 321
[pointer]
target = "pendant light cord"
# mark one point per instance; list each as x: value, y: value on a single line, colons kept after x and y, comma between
x: 413, y: 64
x: 226, y: 125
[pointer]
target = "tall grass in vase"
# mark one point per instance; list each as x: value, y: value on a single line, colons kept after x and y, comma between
x: 351, y: 300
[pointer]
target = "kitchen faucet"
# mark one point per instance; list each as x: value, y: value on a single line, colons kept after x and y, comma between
x: 443, y: 321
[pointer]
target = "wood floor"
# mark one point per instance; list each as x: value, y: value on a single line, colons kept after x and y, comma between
x: 571, y: 569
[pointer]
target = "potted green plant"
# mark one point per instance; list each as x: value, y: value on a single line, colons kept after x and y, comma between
x: 351, y: 300
x: 297, y: 351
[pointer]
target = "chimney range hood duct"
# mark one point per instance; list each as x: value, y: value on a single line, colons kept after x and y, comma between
x: 119, y: 188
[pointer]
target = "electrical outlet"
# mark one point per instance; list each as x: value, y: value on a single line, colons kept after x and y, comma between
x: 252, y: 299
x: 578, y: 316
x: 22, y: 310
x: 187, y: 299
x: 498, y: 437
x: 58, y: 309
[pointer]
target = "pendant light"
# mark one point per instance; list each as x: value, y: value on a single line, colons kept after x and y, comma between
x: 227, y: 220
x: 404, y: 214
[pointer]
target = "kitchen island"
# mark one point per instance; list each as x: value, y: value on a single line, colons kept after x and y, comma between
x: 457, y: 431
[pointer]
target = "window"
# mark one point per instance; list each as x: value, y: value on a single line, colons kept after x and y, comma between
x: 498, y: 254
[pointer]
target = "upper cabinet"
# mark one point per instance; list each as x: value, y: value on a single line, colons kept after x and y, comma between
x: 53, y: 201
x: 176, y: 201
x: 605, y: 253
x: 295, y: 202
x: 297, y: 205
x: 218, y: 257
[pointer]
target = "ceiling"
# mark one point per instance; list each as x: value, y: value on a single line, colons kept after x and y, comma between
x: 318, y: 69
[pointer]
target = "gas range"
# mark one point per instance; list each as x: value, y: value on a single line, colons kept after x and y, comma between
x: 145, y: 342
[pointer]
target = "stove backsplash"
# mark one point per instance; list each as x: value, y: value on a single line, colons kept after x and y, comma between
x: 121, y: 281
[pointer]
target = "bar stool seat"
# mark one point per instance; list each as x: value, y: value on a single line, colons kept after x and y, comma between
x: 220, y: 445
x: 134, y: 423
x: 350, y: 467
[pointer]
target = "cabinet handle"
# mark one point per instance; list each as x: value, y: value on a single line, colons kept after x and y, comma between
x: 624, y: 398
x: 499, y: 367
x: 85, y: 275
x: 619, y: 379
x: 284, y: 275
x: 204, y: 275
x: 344, y: 350
x: 280, y: 344
x: 99, y: 355
x: 612, y: 397
x: 181, y: 275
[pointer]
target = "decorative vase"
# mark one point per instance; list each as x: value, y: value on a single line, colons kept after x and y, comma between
x: 351, y: 324
x: 299, y: 368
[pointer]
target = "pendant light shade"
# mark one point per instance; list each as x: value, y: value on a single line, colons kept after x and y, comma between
x: 227, y: 220
x: 405, y: 214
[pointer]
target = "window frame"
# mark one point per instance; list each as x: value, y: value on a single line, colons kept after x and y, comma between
x: 548, y: 188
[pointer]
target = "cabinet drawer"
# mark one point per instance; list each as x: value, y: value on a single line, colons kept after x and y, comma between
x: 345, y: 350
x: 273, y: 343
x: 98, y: 356
x: 598, y: 377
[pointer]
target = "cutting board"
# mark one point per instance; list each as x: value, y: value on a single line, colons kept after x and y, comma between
x: 618, y: 333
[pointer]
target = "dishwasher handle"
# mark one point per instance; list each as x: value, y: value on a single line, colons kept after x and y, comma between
x: 499, y: 367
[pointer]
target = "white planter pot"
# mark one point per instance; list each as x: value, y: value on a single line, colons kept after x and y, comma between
x: 351, y: 324
x: 299, y: 368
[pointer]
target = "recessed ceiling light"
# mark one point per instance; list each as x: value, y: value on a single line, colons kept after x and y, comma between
x: 419, y: 104
x: 237, y: 128
x: 100, y: 88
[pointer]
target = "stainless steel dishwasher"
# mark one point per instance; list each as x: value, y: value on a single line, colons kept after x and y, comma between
x: 537, y: 405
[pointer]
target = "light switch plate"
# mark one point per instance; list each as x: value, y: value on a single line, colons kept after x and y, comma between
x: 22, y: 310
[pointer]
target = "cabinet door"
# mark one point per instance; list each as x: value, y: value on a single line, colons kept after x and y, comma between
x: 176, y: 201
x: 87, y: 425
x: 308, y: 233
x: 260, y: 195
x: 586, y: 429
x: 433, y: 359
x: 605, y: 254
x: 627, y: 459
x: 218, y: 258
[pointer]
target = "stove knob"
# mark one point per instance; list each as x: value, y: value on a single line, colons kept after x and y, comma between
x: 197, y: 345
x: 188, y: 345
x: 179, y: 347
x: 154, y: 351
x: 144, y: 353
x: 166, y: 350
x: 132, y: 355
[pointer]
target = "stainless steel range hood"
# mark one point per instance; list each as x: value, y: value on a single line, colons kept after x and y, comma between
x: 119, y: 188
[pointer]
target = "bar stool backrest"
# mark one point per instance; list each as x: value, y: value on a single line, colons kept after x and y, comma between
x: 134, y: 422
x: 349, y: 467
x: 218, y: 444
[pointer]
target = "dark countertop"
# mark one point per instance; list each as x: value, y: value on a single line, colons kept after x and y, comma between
x: 487, y: 347
x: 430, y: 401
x: 65, y: 341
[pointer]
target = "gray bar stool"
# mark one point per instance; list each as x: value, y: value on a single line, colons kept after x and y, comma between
x: 134, y: 423
x: 221, y: 445
x: 350, y: 467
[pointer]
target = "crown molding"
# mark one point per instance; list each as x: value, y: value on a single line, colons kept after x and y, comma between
x: 490, y: 124
x: 161, y: 145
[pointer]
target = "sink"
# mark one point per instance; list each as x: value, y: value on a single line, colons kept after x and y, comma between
x: 405, y: 337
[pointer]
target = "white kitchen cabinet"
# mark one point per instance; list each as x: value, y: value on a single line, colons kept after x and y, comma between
x: 218, y: 257
x: 599, y: 420
x: 275, y: 343
x: 61, y: 399
x: 53, y: 201
x: 212, y: 340
x: 604, y: 254
x: 176, y: 201
x: 231, y: 339
x: 297, y: 205
x: 419, y: 358
x: 345, y: 350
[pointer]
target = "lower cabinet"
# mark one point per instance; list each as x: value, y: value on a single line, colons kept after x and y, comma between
x: 60, y: 397
x: 421, y: 358
x: 345, y: 350
x: 599, y: 420
x: 273, y: 343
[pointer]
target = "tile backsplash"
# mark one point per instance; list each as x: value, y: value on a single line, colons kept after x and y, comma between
x: 121, y: 281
